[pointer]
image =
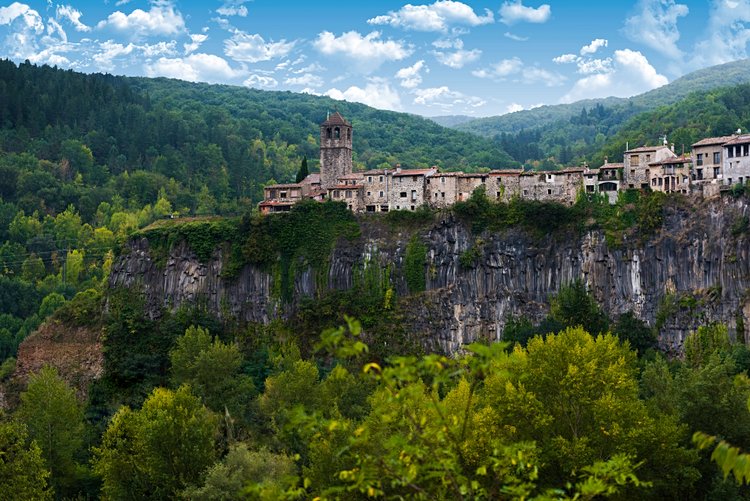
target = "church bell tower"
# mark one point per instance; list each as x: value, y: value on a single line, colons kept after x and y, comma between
x: 335, y: 149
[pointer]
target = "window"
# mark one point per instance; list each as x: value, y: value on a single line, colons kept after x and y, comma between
x: 717, y: 157
x: 700, y: 173
x: 329, y: 133
x: 414, y: 178
x: 349, y: 134
x: 442, y: 180
x: 745, y: 150
x: 436, y: 195
x: 369, y: 194
x: 380, y: 180
x: 525, y: 192
x: 335, y: 193
x: 443, y: 194
x: 413, y: 194
x: 716, y: 172
x: 549, y: 191
x: 282, y: 194
x: 348, y: 193
x: 634, y: 160
x: 730, y: 152
x: 369, y: 179
x: 381, y: 194
x: 402, y: 194
x: 412, y: 207
x: 337, y: 133
x: 699, y: 159
x: 498, y: 194
x: 648, y: 158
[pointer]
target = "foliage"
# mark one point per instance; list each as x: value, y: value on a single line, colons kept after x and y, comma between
x: 635, y: 331
x: 415, y: 262
x: 708, y: 339
x: 23, y: 473
x: 159, y: 450
x: 54, y: 419
x: 303, y: 171
x: 573, y: 306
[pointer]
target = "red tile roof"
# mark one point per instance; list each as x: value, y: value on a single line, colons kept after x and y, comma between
x: 713, y: 140
x: 285, y: 186
x: 335, y: 118
x: 414, y: 172
x: 744, y: 139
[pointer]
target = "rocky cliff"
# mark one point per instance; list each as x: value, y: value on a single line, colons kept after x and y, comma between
x: 695, y: 269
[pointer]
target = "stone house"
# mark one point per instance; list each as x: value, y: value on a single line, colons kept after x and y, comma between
x: 736, y: 161
x: 377, y: 186
x: 408, y: 188
x: 707, y: 155
x: 671, y: 175
x: 503, y: 185
x: 442, y: 189
x: 467, y: 183
x: 280, y: 197
x: 552, y: 186
x: 606, y: 179
x: 636, y: 164
x: 349, y: 189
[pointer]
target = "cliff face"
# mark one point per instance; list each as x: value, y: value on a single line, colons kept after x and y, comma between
x: 696, y: 269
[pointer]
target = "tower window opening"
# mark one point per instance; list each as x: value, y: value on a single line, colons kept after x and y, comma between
x: 337, y: 133
x: 349, y: 134
x: 328, y: 133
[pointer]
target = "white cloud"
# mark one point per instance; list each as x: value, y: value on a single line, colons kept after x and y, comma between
x: 306, y: 80
x: 159, y: 49
x: 260, y: 82
x: 365, y: 52
x: 233, y: 8
x: 448, y: 43
x: 515, y: 70
x: 110, y: 50
x: 655, y: 25
x: 727, y: 34
x: 72, y: 15
x: 594, y: 46
x: 566, y: 58
x: 438, y: 16
x: 411, y: 76
x: 446, y: 99
x: 31, y: 18
x: 513, y: 107
x: 193, y: 68
x: 161, y: 19
x: 589, y: 66
x: 25, y: 26
x: 457, y: 59
x: 196, y: 39
x: 517, y: 38
x: 630, y: 74
x: 377, y: 93
x: 514, y: 12
x: 310, y: 68
x: 253, y: 48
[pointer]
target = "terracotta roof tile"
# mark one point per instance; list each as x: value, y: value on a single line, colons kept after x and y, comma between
x: 713, y: 140
x: 335, y: 118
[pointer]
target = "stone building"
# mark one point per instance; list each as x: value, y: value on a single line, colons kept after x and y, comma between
x: 736, y: 165
x: 636, y: 164
x: 377, y: 186
x: 408, y: 188
x: 442, y: 189
x: 671, y: 175
x: 552, y: 186
x: 606, y: 179
x: 707, y: 156
x: 503, y: 185
x: 335, y: 149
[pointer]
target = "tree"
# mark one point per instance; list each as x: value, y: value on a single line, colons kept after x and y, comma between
x: 634, y: 330
x: 159, y: 450
x: 213, y: 371
x: 302, y: 173
x: 708, y: 339
x: 54, y: 419
x: 573, y: 306
x: 23, y: 474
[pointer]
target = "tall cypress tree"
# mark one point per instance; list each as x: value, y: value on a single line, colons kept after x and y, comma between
x: 302, y: 172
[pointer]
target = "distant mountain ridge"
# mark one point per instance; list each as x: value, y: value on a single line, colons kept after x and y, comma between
x: 722, y: 75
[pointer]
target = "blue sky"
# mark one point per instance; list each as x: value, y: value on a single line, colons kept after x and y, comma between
x: 434, y: 58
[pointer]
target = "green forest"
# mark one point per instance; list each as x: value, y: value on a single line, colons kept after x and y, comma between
x: 340, y: 401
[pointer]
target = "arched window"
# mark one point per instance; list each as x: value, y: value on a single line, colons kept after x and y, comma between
x: 337, y: 133
x: 349, y: 134
x: 328, y: 133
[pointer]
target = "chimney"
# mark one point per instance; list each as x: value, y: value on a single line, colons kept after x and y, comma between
x: 671, y: 147
x: 398, y: 168
x: 606, y: 160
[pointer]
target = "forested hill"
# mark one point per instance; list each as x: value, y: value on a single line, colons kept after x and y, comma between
x: 733, y: 73
x: 231, y: 140
x: 573, y: 133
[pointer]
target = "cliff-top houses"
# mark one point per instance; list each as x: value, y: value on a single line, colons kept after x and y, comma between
x: 714, y: 163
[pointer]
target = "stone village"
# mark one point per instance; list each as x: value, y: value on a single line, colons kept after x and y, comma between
x: 715, y: 164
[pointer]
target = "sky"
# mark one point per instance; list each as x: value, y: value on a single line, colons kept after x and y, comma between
x: 477, y: 58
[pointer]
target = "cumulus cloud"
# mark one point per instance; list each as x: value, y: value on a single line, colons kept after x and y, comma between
x: 438, y: 16
x: 25, y: 26
x: 514, y: 12
x: 411, y: 76
x: 565, y: 58
x: 655, y: 25
x: 193, y: 68
x: 161, y: 19
x: 513, y: 107
x: 594, y: 46
x: 630, y: 74
x: 446, y: 99
x: 727, y: 35
x: 72, y: 15
x: 448, y: 43
x: 260, y: 82
x: 377, y: 93
x: 109, y: 51
x: 196, y: 39
x: 233, y: 8
x: 253, y: 48
x: 457, y: 59
x: 365, y: 52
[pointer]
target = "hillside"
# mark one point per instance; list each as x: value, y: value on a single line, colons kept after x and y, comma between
x: 231, y: 139
x: 573, y: 133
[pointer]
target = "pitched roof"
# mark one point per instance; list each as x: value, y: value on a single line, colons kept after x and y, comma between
x: 744, y: 139
x: 313, y: 178
x: 613, y: 165
x: 644, y: 149
x: 353, y: 175
x: 713, y: 140
x: 414, y: 172
x: 674, y: 160
x: 345, y: 187
x: 335, y: 118
x: 284, y: 186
